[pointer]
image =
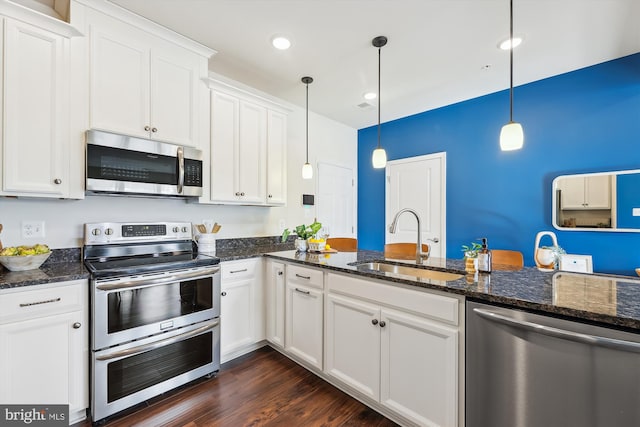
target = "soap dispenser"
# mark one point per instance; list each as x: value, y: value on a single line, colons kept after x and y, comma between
x: 484, y: 258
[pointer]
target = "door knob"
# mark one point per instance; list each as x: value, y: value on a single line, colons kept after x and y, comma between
x: 77, y: 325
x: 383, y: 324
x: 57, y: 181
x: 374, y: 321
x: 147, y: 128
x: 224, y: 293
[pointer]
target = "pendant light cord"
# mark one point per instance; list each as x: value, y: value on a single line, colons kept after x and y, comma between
x: 379, y: 49
x: 307, y: 122
x: 511, y: 63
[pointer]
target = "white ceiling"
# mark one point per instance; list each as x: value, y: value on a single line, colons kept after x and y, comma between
x: 439, y: 51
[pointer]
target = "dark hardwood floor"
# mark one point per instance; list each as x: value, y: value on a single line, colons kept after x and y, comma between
x: 263, y: 388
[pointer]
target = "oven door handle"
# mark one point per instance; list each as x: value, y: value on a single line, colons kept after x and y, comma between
x: 162, y: 343
x: 137, y: 283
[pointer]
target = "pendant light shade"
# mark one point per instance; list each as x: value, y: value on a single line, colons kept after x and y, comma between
x: 379, y: 158
x: 307, y: 169
x: 511, y: 135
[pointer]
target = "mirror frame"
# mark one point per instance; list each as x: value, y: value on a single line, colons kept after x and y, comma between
x: 554, y: 203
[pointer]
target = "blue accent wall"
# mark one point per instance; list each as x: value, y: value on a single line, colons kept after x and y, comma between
x: 579, y: 122
x: 628, y: 197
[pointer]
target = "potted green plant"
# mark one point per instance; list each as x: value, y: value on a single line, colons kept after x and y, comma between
x: 303, y: 232
x: 471, y: 256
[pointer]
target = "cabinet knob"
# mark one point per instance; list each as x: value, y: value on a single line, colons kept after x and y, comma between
x: 154, y: 130
x: 383, y: 324
x: 77, y: 325
x: 237, y: 193
x: 147, y: 128
x: 280, y: 273
x: 242, y: 194
x: 224, y: 293
x: 270, y: 196
x: 57, y: 181
x: 374, y: 321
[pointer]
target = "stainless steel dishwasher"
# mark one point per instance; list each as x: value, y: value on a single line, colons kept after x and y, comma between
x: 529, y: 370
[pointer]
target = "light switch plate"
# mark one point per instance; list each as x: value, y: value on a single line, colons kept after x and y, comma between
x: 635, y: 211
x: 576, y: 263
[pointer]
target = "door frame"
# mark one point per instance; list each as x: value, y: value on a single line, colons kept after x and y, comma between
x: 442, y: 157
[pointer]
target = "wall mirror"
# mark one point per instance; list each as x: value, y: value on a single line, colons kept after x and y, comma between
x: 605, y: 201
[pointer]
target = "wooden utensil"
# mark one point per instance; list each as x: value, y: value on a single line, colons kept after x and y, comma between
x: 201, y: 228
x: 216, y: 227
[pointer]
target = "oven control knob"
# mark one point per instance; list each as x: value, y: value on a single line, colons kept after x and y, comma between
x: 184, y: 229
x: 95, y: 231
x: 176, y: 229
x: 108, y: 231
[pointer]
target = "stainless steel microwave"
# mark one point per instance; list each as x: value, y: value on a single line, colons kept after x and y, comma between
x: 121, y: 164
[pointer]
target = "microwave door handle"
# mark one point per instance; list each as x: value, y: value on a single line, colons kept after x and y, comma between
x: 180, y: 169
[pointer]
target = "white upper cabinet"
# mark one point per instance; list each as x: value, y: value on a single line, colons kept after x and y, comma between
x: 591, y: 192
x: 248, y: 148
x: 143, y: 85
x: 36, y: 111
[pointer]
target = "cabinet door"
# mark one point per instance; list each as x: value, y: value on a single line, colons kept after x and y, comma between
x: 598, y: 192
x: 236, y: 316
x: 276, y: 158
x: 175, y: 81
x: 572, y: 193
x: 275, y: 303
x: 352, y: 344
x: 225, y: 114
x: 36, y: 111
x: 251, y: 153
x: 419, y: 369
x: 304, y: 323
x: 119, y: 77
x: 41, y: 361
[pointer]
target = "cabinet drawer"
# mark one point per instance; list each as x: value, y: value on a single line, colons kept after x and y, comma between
x: 239, y: 269
x: 438, y: 307
x: 65, y: 297
x: 305, y: 276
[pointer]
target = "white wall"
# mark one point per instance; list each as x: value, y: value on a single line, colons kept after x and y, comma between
x: 329, y: 141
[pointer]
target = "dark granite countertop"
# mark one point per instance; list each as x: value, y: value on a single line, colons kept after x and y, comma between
x: 603, y: 299
x: 62, y: 265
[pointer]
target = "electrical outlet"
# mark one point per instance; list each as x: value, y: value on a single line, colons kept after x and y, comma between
x: 32, y: 229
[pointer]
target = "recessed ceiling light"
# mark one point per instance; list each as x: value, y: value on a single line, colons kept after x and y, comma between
x: 506, y: 44
x: 370, y: 95
x: 281, y: 43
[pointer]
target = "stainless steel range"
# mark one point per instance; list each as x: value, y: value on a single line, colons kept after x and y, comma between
x: 155, y: 312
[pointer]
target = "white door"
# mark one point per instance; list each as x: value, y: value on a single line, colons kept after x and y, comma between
x: 276, y: 158
x: 275, y: 303
x: 417, y: 183
x: 252, y: 153
x: 236, y: 314
x: 303, y: 333
x: 336, y: 200
x: 225, y: 116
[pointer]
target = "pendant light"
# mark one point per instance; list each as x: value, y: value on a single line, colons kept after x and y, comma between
x: 379, y: 158
x: 307, y: 170
x: 511, y: 135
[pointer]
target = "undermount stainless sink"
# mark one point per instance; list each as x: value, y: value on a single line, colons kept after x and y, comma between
x: 410, y: 271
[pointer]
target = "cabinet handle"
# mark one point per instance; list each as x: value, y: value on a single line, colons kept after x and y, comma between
x: 303, y: 277
x: 147, y: 128
x: 238, y: 271
x: 77, y: 325
x: 57, y: 181
x: 374, y: 321
x: 224, y: 293
x: 383, y: 324
x: 280, y: 273
x: 28, y: 304
x: 154, y: 130
x: 302, y: 291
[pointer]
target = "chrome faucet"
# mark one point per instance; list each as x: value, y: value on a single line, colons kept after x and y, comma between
x: 392, y: 229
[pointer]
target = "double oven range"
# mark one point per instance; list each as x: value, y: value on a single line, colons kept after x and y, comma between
x: 155, y: 312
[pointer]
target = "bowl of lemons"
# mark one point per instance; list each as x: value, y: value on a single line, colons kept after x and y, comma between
x: 22, y: 258
x: 316, y: 245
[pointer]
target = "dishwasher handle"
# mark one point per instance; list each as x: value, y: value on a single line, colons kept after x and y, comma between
x: 578, y: 337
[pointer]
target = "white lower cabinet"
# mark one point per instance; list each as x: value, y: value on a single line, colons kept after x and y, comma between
x: 304, y: 314
x: 44, y: 346
x: 275, y: 296
x: 404, y: 360
x: 241, y: 311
